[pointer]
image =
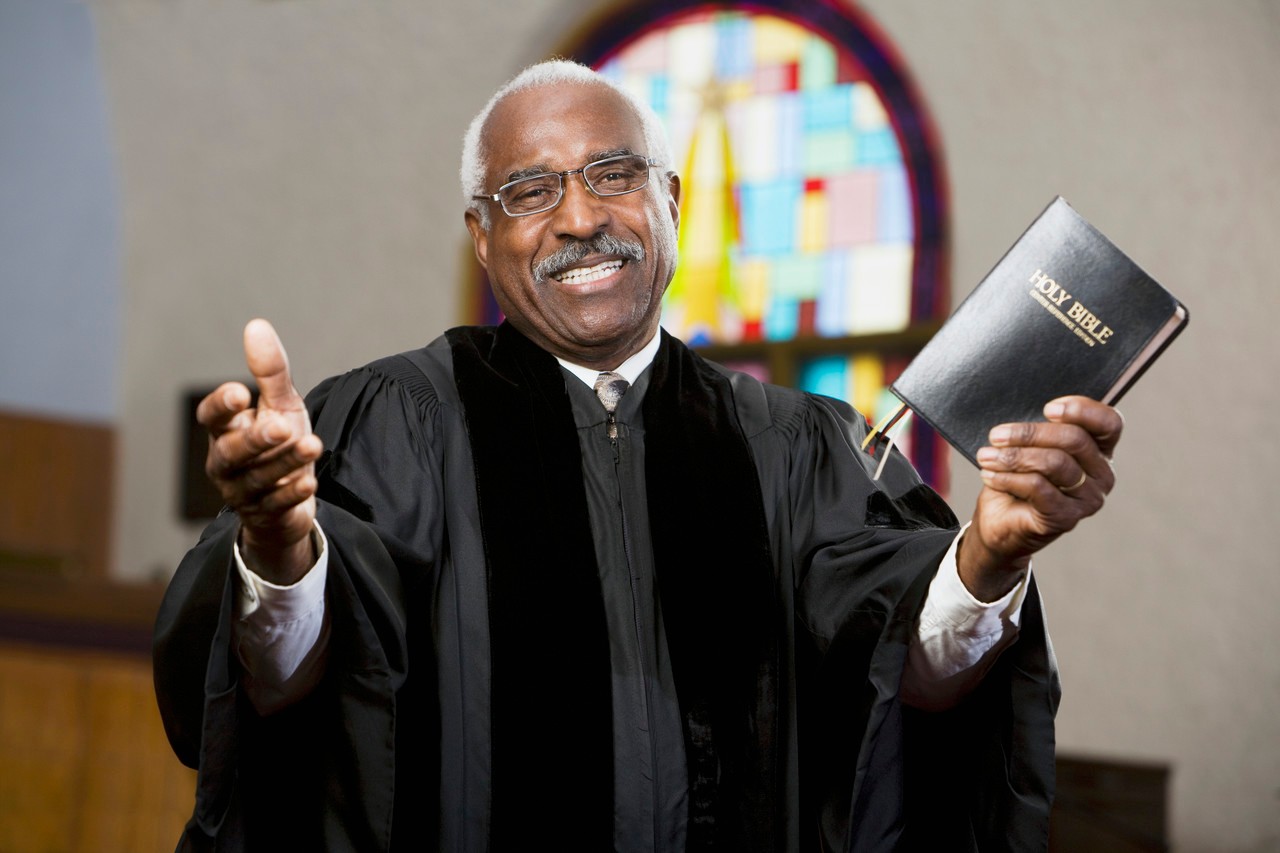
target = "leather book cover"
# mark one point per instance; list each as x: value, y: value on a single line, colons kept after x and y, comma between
x: 1063, y: 312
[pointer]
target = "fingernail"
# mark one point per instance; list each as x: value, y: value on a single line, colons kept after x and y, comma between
x: 1054, y: 410
x: 276, y: 432
x: 1000, y: 435
x: 988, y: 454
x: 229, y: 398
x: 987, y: 476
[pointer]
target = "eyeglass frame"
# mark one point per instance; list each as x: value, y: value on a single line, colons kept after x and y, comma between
x: 497, y: 196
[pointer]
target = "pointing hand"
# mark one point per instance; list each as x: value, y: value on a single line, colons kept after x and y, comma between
x: 263, y: 460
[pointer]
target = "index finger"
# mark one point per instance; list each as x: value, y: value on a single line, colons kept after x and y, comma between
x: 1103, y: 422
x: 269, y: 365
x: 218, y: 410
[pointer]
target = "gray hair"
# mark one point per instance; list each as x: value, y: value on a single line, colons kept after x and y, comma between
x: 552, y: 72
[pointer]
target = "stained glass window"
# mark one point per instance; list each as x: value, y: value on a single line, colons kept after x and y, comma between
x: 796, y: 216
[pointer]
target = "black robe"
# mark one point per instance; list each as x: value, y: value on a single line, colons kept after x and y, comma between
x: 480, y: 692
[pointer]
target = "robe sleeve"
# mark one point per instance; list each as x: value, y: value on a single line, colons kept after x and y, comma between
x: 864, y: 553
x: 341, y: 797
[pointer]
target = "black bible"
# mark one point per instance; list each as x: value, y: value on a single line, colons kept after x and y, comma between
x: 1063, y: 312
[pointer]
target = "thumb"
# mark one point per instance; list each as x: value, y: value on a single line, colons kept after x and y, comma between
x: 270, y: 367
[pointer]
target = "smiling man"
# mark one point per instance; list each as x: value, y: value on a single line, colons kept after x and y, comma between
x: 563, y: 583
x: 583, y: 280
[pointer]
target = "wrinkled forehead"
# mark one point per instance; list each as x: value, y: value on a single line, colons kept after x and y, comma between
x: 557, y: 127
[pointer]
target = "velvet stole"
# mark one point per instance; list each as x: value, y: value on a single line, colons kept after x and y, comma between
x: 551, y: 705
x: 552, y: 740
x: 716, y: 586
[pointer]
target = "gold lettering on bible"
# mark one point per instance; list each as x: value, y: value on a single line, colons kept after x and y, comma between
x: 1079, y: 319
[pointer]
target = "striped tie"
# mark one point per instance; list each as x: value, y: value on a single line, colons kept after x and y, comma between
x: 610, y: 387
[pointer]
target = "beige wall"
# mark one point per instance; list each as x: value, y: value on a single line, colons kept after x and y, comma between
x: 297, y: 160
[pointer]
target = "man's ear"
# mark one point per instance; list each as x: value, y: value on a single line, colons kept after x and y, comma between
x: 673, y: 191
x: 479, y: 236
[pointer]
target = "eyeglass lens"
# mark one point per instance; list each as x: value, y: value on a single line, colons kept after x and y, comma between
x: 612, y: 176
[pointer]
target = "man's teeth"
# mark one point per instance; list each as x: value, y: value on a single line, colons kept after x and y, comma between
x: 583, y: 275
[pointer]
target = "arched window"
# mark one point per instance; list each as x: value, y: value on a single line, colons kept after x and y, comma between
x: 812, y: 221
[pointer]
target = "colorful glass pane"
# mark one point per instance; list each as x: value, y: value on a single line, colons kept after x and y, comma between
x: 796, y: 215
x: 862, y: 379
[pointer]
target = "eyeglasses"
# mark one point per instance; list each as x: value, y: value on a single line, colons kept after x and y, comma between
x: 611, y: 176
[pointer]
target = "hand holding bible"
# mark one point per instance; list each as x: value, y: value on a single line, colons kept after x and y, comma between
x: 1039, y: 481
x: 262, y: 459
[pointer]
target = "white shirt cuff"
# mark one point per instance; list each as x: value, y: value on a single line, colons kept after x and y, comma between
x: 950, y: 606
x: 281, y: 632
x: 958, y: 637
x: 283, y: 603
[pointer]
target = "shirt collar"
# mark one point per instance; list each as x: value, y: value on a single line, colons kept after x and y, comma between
x: 630, y: 369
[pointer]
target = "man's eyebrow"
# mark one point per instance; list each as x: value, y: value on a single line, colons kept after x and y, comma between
x: 528, y: 172
x: 543, y: 168
x: 612, y: 152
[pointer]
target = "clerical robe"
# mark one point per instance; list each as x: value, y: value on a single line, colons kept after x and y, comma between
x: 690, y: 635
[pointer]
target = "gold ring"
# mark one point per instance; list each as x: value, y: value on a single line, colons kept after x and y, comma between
x: 1078, y: 484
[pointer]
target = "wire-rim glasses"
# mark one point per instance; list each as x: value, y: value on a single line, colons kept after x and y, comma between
x: 611, y: 176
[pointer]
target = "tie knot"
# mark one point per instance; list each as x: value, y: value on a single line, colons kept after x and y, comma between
x: 610, y: 387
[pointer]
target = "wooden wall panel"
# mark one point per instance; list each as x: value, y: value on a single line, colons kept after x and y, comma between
x: 84, y: 762
x: 55, y: 495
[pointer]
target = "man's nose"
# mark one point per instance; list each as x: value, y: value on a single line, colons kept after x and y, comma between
x: 581, y: 213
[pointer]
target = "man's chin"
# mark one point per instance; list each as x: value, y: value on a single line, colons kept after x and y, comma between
x: 608, y: 345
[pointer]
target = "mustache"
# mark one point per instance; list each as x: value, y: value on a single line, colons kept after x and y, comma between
x: 572, y: 253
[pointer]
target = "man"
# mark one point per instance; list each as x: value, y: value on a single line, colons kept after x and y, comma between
x: 670, y: 611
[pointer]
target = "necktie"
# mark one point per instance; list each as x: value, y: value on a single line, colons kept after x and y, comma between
x: 609, y: 388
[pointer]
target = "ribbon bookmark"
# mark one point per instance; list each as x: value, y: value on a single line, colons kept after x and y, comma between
x: 889, y: 422
x: 886, y: 423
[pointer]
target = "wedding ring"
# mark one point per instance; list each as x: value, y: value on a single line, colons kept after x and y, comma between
x: 1078, y: 484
